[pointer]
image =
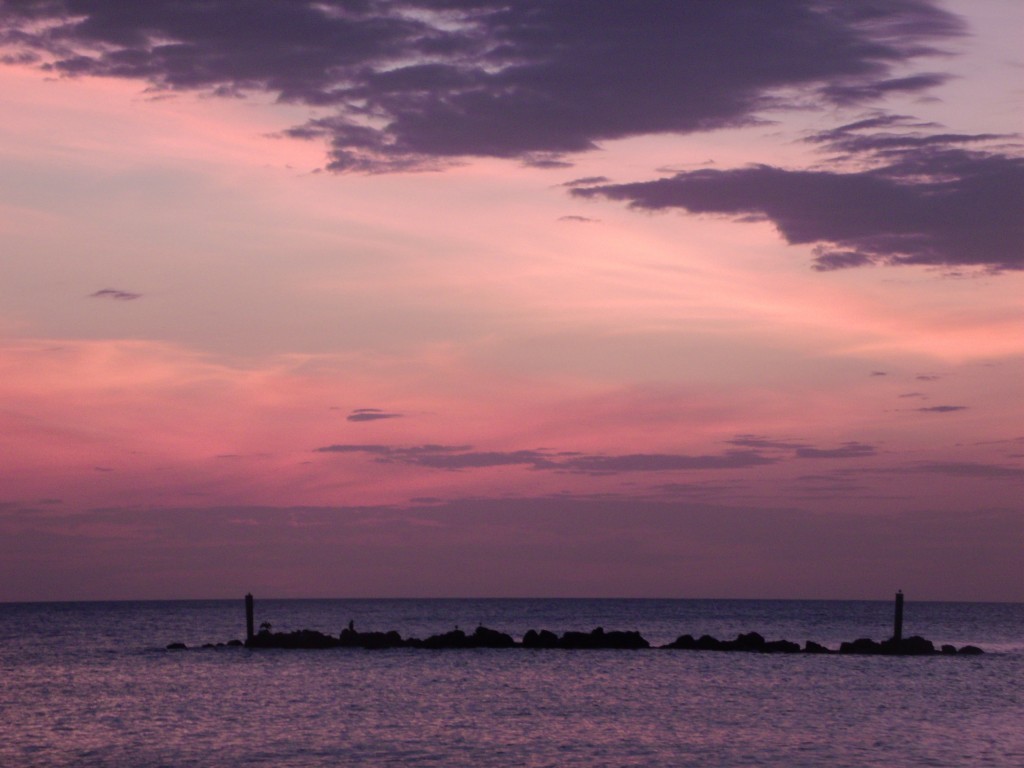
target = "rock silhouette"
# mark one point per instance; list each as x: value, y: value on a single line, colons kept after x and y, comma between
x: 596, y: 639
x: 907, y: 646
x: 750, y: 642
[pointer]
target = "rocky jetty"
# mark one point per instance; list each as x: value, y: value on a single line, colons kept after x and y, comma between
x: 751, y: 642
x: 596, y: 639
x: 482, y: 637
x: 907, y: 646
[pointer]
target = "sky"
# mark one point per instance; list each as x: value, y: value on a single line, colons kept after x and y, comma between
x: 442, y: 298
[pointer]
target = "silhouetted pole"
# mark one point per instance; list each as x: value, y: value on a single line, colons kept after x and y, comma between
x: 897, y: 626
x: 248, y: 618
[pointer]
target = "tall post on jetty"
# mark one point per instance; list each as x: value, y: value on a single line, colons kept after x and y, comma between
x: 897, y: 626
x: 249, y: 634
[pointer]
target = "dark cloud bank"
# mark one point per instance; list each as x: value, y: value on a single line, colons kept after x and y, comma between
x: 423, y: 83
x: 913, y: 198
x: 416, y: 81
x: 752, y: 451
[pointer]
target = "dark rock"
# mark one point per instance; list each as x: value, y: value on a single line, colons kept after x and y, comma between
x: 575, y: 640
x: 349, y: 638
x: 454, y: 639
x: 374, y: 641
x: 542, y: 639
x: 599, y: 639
x: 861, y: 645
x: 491, y: 638
x: 302, y: 638
x: 624, y: 641
x: 781, y: 646
x: 389, y: 639
x: 970, y: 650
x: 482, y: 637
x: 582, y: 640
x: 908, y: 646
x: 683, y: 642
x: 751, y: 641
x: 709, y: 643
x: 235, y: 643
x: 177, y: 647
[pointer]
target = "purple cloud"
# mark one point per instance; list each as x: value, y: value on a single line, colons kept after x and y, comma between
x: 969, y: 469
x: 584, y: 180
x: 420, y: 83
x: 661, y: 462
x: 846, y: 451
x: 758, y: 441
x: 849, y: 450
x: 113, y: 293
x: 382, y: 450
x: 464, y: 457
x: 942, y: 409
x: 861, y: 92
x: 917, y: 199
x: 371, y: 414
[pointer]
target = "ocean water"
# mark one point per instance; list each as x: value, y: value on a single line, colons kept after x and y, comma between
x: 91, y: 684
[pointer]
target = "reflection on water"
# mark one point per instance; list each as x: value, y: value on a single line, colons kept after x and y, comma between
x: 89, y: 684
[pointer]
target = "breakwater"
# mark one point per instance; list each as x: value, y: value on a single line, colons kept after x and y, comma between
x: 597, y: 639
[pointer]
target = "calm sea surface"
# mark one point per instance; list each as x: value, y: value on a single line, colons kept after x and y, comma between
x: 91, y: 684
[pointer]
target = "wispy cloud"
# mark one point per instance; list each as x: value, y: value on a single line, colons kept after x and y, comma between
x: 848, y: 450
x: 759, y: 441
x: 942, y: 408
x: 966, y: 469
x: 661, y: 462
x: 371, y: 414
x: 969, y: 469
x: 750, y: 453
x: 584, y: 180
x: 115, y: 294
x: 464, y: 457
x: 866, y: 92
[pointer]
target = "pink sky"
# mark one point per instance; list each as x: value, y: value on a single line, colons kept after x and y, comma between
x: 498, y: 363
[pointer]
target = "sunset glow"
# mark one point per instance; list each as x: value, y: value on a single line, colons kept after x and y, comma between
x: 742, y: 347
